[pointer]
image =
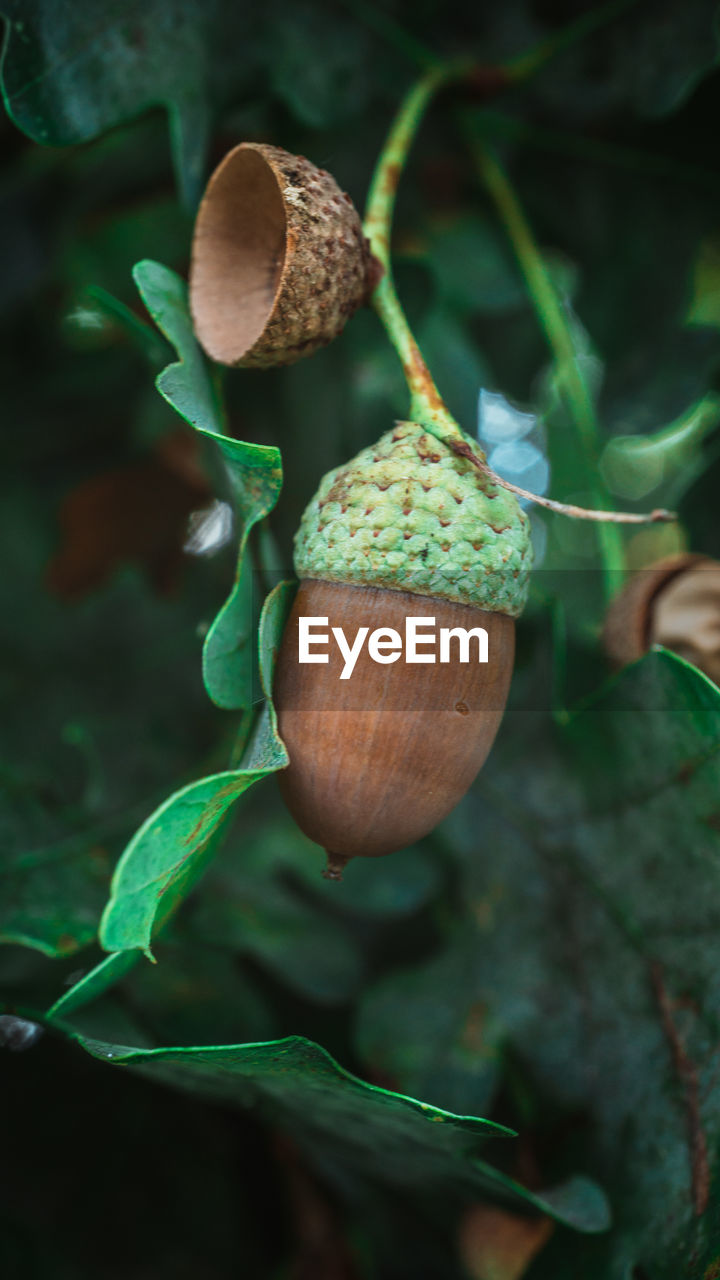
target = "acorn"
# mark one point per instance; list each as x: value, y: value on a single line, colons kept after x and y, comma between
x: 279, y: 260
x: 406, y: 554
x: 674, y: 602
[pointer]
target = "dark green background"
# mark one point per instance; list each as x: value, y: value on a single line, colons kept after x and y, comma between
x: 521, y: 963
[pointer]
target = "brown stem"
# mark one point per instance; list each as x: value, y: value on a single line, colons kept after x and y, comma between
x: 658, y: 515
x: 336, y: 864
x: 687, y: 1074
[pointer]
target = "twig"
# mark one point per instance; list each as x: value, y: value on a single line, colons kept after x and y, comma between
x: 513, y: 72
x: 553, y: 320
x: 426, y: 402
x: 426, y: 405
x: 659, y: 515
x: 577, y: 145
x: 527, y: 64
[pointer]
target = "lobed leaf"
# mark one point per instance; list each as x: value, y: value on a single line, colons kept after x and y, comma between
x: 302, y: 1088
x: 70, y: 73
x: 172, y: 848
x: 254, y: 472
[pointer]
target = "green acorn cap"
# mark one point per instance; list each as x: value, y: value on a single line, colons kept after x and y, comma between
x: 409, y: 514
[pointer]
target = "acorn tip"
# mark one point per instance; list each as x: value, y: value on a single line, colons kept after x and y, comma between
x: 336, y: 864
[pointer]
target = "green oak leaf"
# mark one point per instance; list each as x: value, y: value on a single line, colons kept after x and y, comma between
x: 172, y: 848
x: 166, y: 856
x: 586, y: 952
x: 254, y: 472
x: 70, y: 72
x: 332, y: 1113
x: 169, y: 853
x: 93, y: 984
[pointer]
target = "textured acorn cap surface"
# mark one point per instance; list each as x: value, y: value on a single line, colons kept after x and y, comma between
x: 408, y: 514
x: 279, y: 260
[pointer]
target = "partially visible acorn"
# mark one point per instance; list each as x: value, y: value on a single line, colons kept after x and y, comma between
x: 279, y: 259
x: 408, y: 528
x: 674, y: 602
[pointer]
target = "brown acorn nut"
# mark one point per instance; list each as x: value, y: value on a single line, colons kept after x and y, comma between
x: 675, y: 603
x: 406, y: 530
x: 379, y: 759
x: 279, y: 260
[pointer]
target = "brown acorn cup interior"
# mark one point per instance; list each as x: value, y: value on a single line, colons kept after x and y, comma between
x: 238, y: 255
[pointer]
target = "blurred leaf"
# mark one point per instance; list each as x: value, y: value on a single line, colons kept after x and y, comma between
x: 303, y: 1089
x: 497, y: 1245
x: 473, y: 265
x: 112, y: 241
x: 649, y: 58
x: 108, y: 1018
x: 266, y: 898
x: 431, y: 1031
x: 320, y: 62
x: 79, y: 763
x: 142, y: 335
x: 584, y: 948
x: 679, y: 47
x: 69, y: 72
x: 618, y: 225
x: 170, y: 851
x: 654, y: 543
x: 380, y: 887
x: 634, y: 466
x: 134, y: 514
x: 461, y: 370
x: 572, y: 544
x: 91, y: 985
x: 704, y: 307
x: 254, y: 472
x: 193, y: 993
x: 507, y: 964
x: 261, y: 917
x: 50, y: 898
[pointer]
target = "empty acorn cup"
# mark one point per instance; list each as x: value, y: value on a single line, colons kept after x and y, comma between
x: 279, y: 259
x: 674, y: 602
